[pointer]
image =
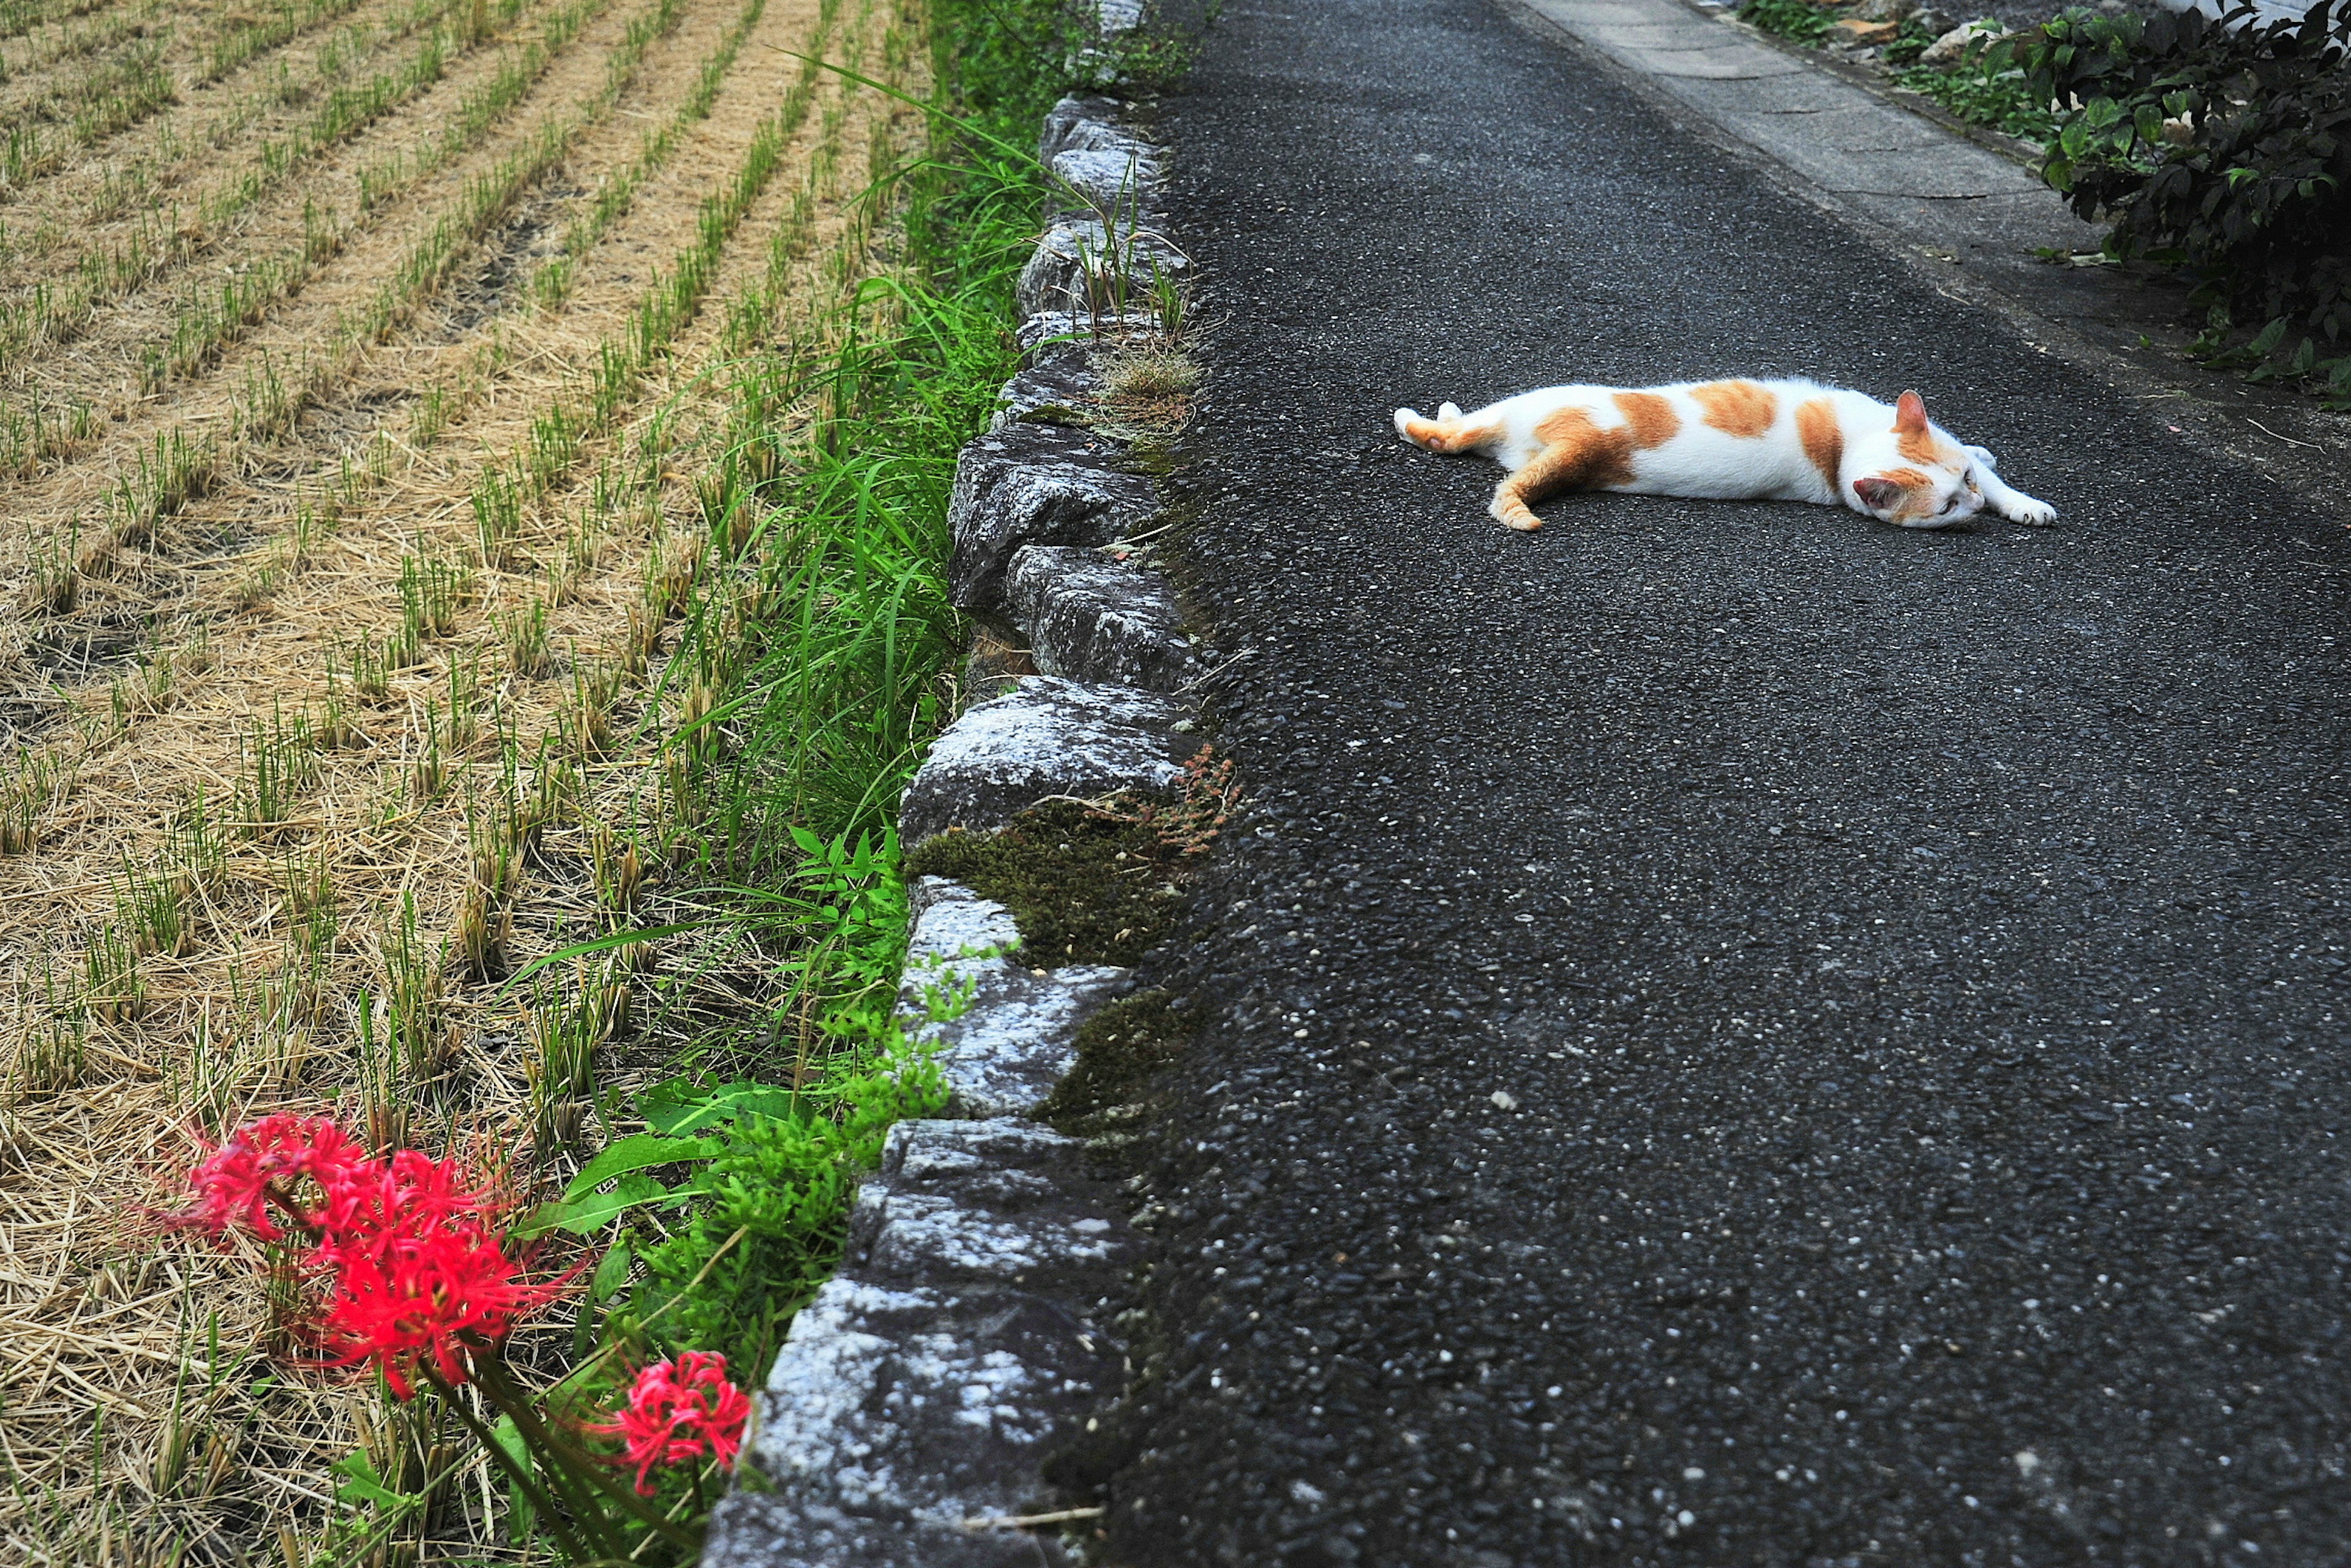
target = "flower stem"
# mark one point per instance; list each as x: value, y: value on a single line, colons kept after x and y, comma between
x: 491, y: 1375
x: 550, y: 1516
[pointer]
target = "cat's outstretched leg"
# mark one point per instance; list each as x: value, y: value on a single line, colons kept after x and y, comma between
x: 1446, y: 433
x: 1555, y: 466
x: 2004, y: 499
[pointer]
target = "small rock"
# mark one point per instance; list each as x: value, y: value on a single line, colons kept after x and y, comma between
x: 1855, y: 33
x: 1952, y: 46
x: 1503, y: 1102
x: 1883, y: 10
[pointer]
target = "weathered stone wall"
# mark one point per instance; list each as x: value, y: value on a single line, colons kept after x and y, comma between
x: 966, y: 1330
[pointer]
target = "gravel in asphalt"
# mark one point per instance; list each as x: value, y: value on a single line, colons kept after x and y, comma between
x: 1736, y: 1035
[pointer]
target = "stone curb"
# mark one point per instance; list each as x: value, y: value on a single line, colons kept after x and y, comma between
x: 963, y: 1339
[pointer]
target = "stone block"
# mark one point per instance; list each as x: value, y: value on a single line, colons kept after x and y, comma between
x: 1951, y: 47
x: 1091, y: 618
x: 1052, y: 335
x: 1046, y: 737
x: 891, y: 1417
x: 1106, y: 183
x: 1035, y: 484
x: 1081, y: 122
x: 1054, y: 393
x: 1004, y: 1032
x: 996, y: 1202
x: 1083, y: 266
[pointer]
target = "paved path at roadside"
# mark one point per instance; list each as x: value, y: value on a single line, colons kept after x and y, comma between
x: 1739, y: 1036
x: 1844, y: 141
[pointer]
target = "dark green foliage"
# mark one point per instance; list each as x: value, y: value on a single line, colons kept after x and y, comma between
x: 1798, y: 19
x: 1985, y: 87
x: 2253, y: 205
x: 1119, y: 1048
x: 1087, y: 887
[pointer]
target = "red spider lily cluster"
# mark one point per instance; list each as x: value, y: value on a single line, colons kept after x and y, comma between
x: 409, y: 1259
x: 679, y: 1411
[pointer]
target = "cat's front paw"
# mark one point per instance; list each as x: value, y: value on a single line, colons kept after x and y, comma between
x: 2033, y: 514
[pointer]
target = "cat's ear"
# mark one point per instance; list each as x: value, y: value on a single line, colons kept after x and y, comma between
x: 1878, y: 495
x: 1911, y: 414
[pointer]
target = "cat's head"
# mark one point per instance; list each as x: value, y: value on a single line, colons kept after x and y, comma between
x: 1913, y: 475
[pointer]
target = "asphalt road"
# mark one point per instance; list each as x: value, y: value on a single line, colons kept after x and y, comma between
x: 1737, y: 1035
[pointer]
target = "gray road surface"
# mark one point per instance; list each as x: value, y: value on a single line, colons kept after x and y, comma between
x: 1739, y: 1036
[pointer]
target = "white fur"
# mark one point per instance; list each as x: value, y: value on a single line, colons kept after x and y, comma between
x: 1701, y: 461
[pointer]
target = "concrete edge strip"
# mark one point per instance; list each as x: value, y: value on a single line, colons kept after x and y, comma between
x: 908, y: 1414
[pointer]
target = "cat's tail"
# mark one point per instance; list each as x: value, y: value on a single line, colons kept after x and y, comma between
x: 1448, y: 432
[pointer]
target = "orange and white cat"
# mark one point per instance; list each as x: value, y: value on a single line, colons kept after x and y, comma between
x: 1735, y: 440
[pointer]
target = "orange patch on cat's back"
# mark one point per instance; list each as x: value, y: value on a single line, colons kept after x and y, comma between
x: 1822, y: 436
x: 1737, y: 408
x: 1578, y: 454
x: 1650, y: 418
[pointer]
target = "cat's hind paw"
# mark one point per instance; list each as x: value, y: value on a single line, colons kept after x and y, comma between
x: 2025, y: 509
x: 1405, y: 418
x: 1448, y: 411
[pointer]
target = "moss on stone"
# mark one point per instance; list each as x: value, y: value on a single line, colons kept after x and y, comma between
x: 1085, y: 887
x: 1118, y: 1051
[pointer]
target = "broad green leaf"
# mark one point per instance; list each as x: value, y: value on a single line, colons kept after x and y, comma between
x: 590, y: 1212
x: 634, y: 1154
x: 681, y: 1106
x: 522, y: 1517
x: 611, y: 1271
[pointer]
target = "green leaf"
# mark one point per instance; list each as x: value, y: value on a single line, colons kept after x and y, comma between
x: 634, y: 1154
x: 596, y: 944
x: 522, y: 1517
x: 590, y: 1212
x: 612, y: 1270
x: 681, y: 1106
x: 363, y: 1485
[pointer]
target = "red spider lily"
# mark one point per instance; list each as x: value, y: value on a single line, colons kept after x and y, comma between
x: 441, y: 1288
x: 262, y: 1163
x: 677, y: 1412
x: 413, y: 1263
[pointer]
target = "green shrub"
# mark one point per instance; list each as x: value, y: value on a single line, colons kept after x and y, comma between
x: 2222, y: 149
x: 1985, y: 87
x: 1798, y: 19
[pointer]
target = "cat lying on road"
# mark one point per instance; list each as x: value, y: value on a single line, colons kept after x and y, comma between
x: 1762, y: 441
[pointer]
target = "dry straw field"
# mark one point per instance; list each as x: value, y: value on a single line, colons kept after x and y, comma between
x: 363, y: 368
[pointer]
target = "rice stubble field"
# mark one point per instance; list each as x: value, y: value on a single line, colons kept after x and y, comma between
x: 363, y: 364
